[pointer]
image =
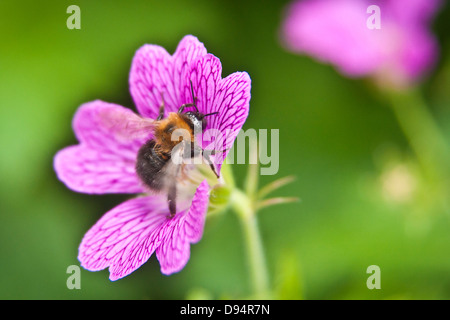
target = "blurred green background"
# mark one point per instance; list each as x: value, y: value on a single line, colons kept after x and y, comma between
x: 336, y: 136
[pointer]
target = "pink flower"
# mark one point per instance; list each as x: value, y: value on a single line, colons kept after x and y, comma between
x: 104, y: 161
x: 335, y: 31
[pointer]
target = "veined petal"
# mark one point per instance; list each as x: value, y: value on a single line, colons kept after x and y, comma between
x: 233, y: 104
x: 104, y: 161
x: 125, y: 237
x: 189, y: 50
x: 181, y: 231
x: 151, y: 81
x: 92, y: 171
x: 205, y: 74
x: 230, y: 97
x: 156, y: 75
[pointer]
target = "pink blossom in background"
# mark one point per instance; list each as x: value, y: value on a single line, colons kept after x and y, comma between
x: 336, y: 32
x: 104, y: 160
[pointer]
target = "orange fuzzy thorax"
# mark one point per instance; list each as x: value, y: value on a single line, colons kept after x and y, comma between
x: 165, y: 128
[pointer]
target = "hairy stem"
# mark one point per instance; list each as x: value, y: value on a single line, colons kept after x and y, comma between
x: 243, y: 206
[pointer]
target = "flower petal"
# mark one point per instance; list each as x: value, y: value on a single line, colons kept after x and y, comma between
x: 205, y: 74
x: 334, y: 32
x: 415, y: 12
x: 230, y: 97
x: 189, y: 50
x: 181, y: 231
x: 150, y: 80
x: 233, y: 104
x: 418, y: 55
x: 155, y: 75
x: 87, y: 170
x: 104, y: 161
x: 125, y: 237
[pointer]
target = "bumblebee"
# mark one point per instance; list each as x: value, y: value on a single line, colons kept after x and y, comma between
x: 155, y: 163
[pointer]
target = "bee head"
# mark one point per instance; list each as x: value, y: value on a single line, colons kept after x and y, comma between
x: 198, y: 119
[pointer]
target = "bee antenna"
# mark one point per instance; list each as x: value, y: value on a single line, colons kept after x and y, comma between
x: 210, y: 114
x: 194, y: 99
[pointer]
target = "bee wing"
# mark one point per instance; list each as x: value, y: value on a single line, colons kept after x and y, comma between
x: 128, y: 127
x: 140, y: 127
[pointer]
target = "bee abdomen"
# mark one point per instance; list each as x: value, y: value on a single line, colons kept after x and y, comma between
x: 150, y: 164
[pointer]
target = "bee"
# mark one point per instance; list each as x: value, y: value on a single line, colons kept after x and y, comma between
x: 155, y: 164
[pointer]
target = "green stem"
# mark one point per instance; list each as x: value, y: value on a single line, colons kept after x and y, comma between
x: 252, y: 178
x: 251, y: 181
x: 422, y: 133
x: 242, y: 204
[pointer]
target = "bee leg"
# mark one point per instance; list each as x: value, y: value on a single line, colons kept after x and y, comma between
x: 197, y: 150
x: 186, y: 105
x: 161, y: 109
x: 209, y: 161
x: 214, y: 152
x: 171, y: 198
x: 172, y: 190
x: 161, y: 113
